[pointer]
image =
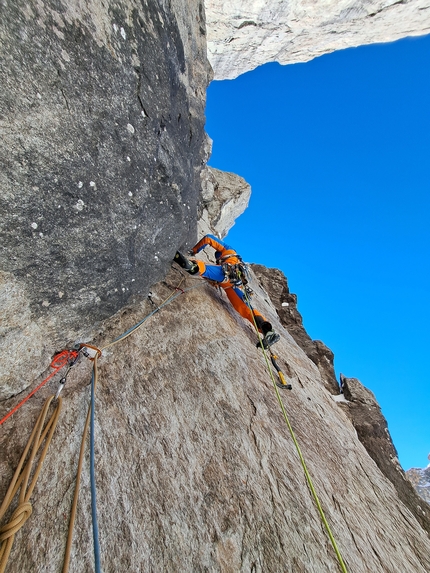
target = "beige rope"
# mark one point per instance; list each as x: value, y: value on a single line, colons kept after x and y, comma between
x: 21, y: 479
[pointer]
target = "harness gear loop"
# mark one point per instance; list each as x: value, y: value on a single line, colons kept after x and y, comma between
x: 235, y: 273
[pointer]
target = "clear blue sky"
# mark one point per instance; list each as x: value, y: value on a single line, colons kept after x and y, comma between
x: 337, y: 152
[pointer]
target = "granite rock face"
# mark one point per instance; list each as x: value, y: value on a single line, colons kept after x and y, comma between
x: 225, y: 196
x: 195, y: 467
x: 420, y: 479
x: 103, y: 143
x: 359, y: 403
x: 243, y: 35
x: 104, y: 153
x: 276, y: 285
x: 372, y: 430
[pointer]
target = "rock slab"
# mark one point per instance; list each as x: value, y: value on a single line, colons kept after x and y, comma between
x: 195, y: 467
x: 243, y: 35
x: 102, y: 146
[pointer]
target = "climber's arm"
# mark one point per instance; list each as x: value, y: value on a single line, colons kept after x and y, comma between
x: 217, y: 244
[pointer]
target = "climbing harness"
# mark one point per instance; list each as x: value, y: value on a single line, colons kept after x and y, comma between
x: 302, y: 460
x: 20, y: 481
x: 236, y: 274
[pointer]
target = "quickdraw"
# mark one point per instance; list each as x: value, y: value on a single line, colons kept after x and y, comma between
x: 236, y: 274
x: 283, y: 383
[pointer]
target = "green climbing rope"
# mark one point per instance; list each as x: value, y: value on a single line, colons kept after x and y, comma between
x: 302, y: 459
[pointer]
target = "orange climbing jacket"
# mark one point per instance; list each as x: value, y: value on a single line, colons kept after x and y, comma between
x: 224, y: 253
x: 230, y: 262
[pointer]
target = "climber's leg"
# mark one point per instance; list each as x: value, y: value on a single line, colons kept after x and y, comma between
x: 237, y: 299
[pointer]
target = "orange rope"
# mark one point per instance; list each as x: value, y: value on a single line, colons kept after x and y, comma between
x: 58, y: 362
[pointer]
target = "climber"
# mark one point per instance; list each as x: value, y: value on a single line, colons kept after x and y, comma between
x: 228, y: 273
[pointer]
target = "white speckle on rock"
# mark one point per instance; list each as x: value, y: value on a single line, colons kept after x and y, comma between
x: 144, y: 180
x: 130, y: 194
x: 79, y: 205
x: 143, y: 113
x: 41, y: 235
x: 135, y: 227
x: 123, y: 289
x: 132, y: 280
x: 60, y: 294
x: 128, y: 158
x: 39, y: 96
x: 65, y: 56
x: 45, y: 303
x: 156, y: 258
x: 285, y: 304
x: 80, y: 185
x: 115, y: 27
x: 116, y: 290
x: 97, y: 299
x: 92, y: 184
x: 123, y: 34
x: 34, y: 225
x: 130, y: 128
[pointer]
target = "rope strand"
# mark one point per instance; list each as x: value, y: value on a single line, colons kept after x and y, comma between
x: 90, y: 418
x: 22, y: 477
x: 302, y: 459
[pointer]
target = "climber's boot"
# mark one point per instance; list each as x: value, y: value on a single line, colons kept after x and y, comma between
x: 269, y: 338
x: 190, y: 266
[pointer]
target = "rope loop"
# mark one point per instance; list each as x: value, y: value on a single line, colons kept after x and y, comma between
x: 17, y: 520
x: 97, y: 351
x: 62, y: 358
x: 39, y: 440
x: 58, y: 362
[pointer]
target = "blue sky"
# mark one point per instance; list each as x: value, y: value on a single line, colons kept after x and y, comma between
x: 337, y: 152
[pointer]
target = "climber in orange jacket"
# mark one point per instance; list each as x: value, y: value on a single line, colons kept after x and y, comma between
x: 227, y: 261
